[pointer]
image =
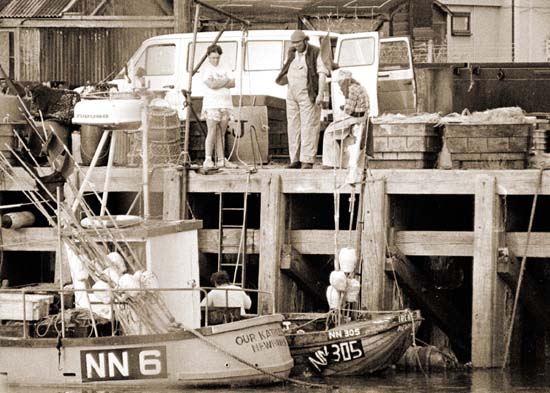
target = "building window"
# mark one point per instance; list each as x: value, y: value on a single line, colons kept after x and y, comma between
x: 460, y: 24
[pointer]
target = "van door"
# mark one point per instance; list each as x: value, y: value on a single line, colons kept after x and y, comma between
x: 156, y: 66
x: 357, y: 53
x: 396, y: 84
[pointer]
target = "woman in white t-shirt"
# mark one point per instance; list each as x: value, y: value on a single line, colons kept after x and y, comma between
x: 217, y: 105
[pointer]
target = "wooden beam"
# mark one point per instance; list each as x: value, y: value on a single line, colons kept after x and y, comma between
x: 208, y: 241
x: 532, y: 295
x: 29, y: 239
x: 294, y: 265
x: 435, y: 243
x: 272, y: 221
x: 373, y: 244
x: 94, y: 22
x: 319, y: 181
x: 435, y: 303
x: 171, y: 198
x: 182, y: 16
x: 488, y: 336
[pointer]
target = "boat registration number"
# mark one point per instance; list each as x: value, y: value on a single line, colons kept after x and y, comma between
x: 123, y: 363
x: 344, y: 351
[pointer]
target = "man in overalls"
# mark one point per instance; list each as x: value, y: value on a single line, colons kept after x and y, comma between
x: 305, y: 74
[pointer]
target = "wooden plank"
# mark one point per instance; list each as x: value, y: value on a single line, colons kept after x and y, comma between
x: 435, y: 303
x: 171, y: 200
x: 208, y: 241
x: 29, y: 239
x: 373, y: 245
x: 319, y: 181
x: 319, y: 242
x: 294, y: 265
x: 271, y: 241
x: 92, y: 22
x: 436, y: 243
x: 488, y: 302
x: 532, y: 295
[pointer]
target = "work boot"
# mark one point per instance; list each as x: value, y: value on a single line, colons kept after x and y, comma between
x: 293, y: 165
x: 225, y: 163
x: 208, y: 164
x: 307, y: 165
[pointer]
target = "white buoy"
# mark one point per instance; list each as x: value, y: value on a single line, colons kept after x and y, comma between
x: 338, y: 280
x: 352, y: 292
x: 333, y: 297
x: 4, y: 382
x: 347, y: 259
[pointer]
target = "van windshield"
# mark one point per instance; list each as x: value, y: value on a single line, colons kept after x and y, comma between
x: 158, y: 60
x: 356, y: 52
x: 394, y: 55
x: 228, y: 57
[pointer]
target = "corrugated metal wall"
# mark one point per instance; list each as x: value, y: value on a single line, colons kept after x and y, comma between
x: 79, y: 55
x: 29, y: 54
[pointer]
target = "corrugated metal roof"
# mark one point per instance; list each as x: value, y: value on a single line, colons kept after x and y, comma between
x: 3, y: 3
x: 34, y: 9
x: 360, y: 7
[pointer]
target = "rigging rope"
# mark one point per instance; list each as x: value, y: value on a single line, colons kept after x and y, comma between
x: 522, y: 267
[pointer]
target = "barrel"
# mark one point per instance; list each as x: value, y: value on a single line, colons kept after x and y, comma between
x: 164, y: 140
x: 89, y: 140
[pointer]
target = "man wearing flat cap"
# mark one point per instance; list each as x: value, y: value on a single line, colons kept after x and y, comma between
x: 305, y: 74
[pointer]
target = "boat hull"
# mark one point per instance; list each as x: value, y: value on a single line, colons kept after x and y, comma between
x: 178, y: 359
x: 355, y: 348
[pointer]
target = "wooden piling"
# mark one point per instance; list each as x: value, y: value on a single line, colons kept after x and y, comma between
x: 373, y: 244
x: 488, y: 311
x: 272, y: 220
x: 171, y: 200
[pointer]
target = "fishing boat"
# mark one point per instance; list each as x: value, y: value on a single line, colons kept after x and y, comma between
x: 367, y: 345
x: 145, y: 330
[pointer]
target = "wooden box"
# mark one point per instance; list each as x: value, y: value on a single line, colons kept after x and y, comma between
x: 405, y: 145
x: 36, y: 306
x: 487, y: 146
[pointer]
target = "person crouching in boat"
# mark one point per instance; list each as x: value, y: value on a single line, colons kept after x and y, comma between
x: 220, y: 297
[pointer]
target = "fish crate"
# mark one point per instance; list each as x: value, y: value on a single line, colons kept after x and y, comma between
x: 488, y: 146
x: 15, y: 328
x: 405, y: 145
x: 36, y: 306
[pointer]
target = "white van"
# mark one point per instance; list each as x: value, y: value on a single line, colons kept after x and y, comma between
x: 163, y: 63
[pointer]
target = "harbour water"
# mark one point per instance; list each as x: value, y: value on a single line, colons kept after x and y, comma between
x: 482, y: 381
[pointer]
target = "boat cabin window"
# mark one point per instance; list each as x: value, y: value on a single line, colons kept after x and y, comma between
x: 264, y: 55
x: 394, y: 55
x: 356, y: 52
x: 229, y: 56
x: 158, y: 60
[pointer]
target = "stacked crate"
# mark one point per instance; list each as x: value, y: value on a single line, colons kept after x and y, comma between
x: 487, y: 146
x: 405, y: 145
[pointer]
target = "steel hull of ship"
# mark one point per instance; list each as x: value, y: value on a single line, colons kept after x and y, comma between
x: 355, y: 348
x: 174, y: 359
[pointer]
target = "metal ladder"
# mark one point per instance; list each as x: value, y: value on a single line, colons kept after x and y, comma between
x: 236, y: 268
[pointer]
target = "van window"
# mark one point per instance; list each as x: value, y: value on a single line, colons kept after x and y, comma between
x: 158, y: 59
x: 228, y: 57
x: 356, y: 52
x: 264, y: 55
x: 394, y: 55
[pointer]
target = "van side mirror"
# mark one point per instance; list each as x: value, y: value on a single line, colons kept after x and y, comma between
x: 126, y: 73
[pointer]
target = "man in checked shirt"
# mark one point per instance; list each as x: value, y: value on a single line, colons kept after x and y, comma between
x: 342, y: 138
